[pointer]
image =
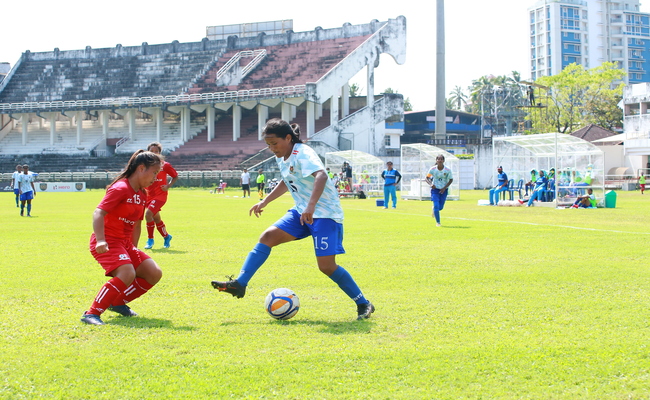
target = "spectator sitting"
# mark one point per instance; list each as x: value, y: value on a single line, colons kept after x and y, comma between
x: 540, y: 185
x: 531, y: 183
x: 586, y: 201
x: 501, y: 186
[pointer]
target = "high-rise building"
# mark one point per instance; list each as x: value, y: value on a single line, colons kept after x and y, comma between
x: 589, y: 32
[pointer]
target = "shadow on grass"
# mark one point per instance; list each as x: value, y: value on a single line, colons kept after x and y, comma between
x: 163, y: 250
x: 454, y: 227
x: 148, y: 323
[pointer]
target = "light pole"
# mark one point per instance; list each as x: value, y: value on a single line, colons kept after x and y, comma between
x: 441, y: 103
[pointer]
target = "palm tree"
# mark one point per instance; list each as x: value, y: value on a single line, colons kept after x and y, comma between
x: 458, y: 97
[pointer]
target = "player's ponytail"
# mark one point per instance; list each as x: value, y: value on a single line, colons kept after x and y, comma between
x: 281, y: 128
x: 140, y: 157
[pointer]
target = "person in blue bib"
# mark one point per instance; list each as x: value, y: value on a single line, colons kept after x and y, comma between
x: 502, y: 186
x: 391, y: 178
x: 540, y: 185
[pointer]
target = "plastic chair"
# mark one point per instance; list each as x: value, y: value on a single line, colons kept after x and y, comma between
x: 549, y: 191
x: 509, y: 190
x: 518, y: 189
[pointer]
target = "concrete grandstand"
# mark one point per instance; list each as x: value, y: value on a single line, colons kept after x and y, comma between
x: 206, y: 101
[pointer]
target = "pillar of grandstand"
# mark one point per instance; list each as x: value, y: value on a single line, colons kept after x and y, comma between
x: 366, y: 171
x: 577, y: 163
x: 416, y: 161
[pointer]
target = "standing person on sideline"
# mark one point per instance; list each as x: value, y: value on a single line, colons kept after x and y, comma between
x: 540, y: 186
x: 347, y: 171
x: 157, y: 197
x: 642, y: 183
x: 317, y: 213
x: 439, y: 178
x: 14, y: 183
x: 117, y: 221
x: 502, y: 186
x: 391, y: 178
x: 260, y: 183
x: 27, y: 190
x: 245, y: 181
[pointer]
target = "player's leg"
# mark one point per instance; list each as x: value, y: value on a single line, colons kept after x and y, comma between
x: 435, y: 198
x: 162, y: 229
x: 280, y: 232
x: 17, y: 193
x: 151, y: 226
x: 393, y: 193
x: 122, y: 277
x: 29, y: 207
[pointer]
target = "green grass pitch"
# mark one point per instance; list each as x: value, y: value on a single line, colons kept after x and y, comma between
x: 498, y: 303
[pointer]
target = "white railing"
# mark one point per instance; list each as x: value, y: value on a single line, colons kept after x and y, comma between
x: 121, y: 142
x: 286, y: 91
x: 258, y: 54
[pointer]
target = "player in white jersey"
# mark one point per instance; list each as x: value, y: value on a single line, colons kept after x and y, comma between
x: 439, y: 178
x: 14, y: 183
x: 27, y: 190
x: 317, y: 213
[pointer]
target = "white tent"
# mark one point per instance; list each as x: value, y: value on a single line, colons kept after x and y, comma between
x: 366, y: 169
x: 578, y: 164
x: 416, y: 161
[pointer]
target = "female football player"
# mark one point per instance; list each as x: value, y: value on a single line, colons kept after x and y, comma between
x: 439, y: 178
x: 114, y: 242
x: 156, y: 199
x: 317, y: 213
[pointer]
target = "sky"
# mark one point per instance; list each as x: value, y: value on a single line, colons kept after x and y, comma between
x: 483, y: 37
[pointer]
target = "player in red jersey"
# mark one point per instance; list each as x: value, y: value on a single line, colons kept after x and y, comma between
x: 114, y: 243
x: 157, y: 198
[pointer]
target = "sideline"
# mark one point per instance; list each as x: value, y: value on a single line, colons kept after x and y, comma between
x: 517, y: 222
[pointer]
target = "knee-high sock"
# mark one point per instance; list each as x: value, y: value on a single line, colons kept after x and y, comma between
x: 29, y: 208
x: 17, y: 200
x: 162, y: 229
x: 343, y: 278
x: 253, y: 262
x: 139, y: 287
x: 150, y: 227
x: 107, y: 294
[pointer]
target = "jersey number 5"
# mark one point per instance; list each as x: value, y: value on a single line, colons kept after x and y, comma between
x: 293, y: 187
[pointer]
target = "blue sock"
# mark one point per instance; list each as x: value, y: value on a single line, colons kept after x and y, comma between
x: 343, y: 278
x: 17, y: 200
x: 29, y: 208
x: 253, y: 262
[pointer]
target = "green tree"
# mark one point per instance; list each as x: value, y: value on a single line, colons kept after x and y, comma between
x: 458, y: 97
x: 355, y: 90
x: 577, y: 97
x: 407, y: 101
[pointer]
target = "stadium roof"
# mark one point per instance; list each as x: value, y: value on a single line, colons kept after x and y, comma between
x: 548, y: 144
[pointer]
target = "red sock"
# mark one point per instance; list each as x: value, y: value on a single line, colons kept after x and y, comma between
x: 139, y: 287
x: 107, y: 294
x: 161, y: 229
x: 150, y: 226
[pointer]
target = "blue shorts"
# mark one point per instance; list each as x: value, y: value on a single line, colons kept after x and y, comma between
x: 16, y: 192
x: 327, y: 233
x: 27, y: 196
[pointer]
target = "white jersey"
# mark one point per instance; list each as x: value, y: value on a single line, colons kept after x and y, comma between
x: 25, y: 182
x: 15, y: 176
x: 297, y: 173
x: 245, y: 178
x: 438, y: 177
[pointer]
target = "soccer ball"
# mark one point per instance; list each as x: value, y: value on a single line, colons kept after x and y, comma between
x: 282, y: 303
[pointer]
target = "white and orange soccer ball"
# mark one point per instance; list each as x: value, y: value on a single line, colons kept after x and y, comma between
x: 282, y: 303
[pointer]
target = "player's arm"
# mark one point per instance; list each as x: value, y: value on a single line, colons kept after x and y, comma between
x: 320, y: 179
x: 98, y: 229
x: 278, y: 190
x: 169, y: 185
x: 33, y: 188
x: 429, y: 180
x: 399, y: 178
x: 446, y: 186
x: 137, y: 230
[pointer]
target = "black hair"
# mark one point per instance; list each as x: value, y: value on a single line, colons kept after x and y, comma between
x: 281, y: 128
x: 140, y: 157
x: 157, y: 144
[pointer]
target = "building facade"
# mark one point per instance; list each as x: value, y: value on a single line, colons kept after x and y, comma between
x: 589, y: 32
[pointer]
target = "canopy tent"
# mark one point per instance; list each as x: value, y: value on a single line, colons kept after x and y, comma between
x: 366, y: 169
x: 417, y: 159
x: 578, y: 164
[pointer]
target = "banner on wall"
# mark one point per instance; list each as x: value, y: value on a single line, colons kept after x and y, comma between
x: 60, y: 186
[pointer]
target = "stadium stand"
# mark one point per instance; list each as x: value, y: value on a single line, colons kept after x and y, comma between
x: 206, y: 101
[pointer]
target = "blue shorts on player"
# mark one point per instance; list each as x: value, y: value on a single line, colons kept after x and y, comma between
x: 27, y: 196
x: 327, y: 233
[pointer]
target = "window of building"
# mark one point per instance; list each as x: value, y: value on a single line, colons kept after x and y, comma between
x: 387, y: 140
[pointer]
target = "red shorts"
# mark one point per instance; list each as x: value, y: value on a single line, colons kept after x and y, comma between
x: 120, y: 252
x: 155, y: 204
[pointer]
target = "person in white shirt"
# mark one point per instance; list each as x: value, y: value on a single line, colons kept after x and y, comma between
x: 245, y: 182
x: 317, y: 213
x: 27, y: 190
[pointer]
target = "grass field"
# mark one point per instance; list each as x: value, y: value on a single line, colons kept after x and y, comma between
x: 513, y: 303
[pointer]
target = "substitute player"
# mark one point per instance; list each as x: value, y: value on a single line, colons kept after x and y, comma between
x: 157, y: 197
x: 117, y: 221
x: 27, y: 190
x: 439, y: 178
x: 317, y: 213
x: 260, y: 183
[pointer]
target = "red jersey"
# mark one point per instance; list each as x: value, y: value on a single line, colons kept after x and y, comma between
x: 125, y: 208
x: 161, y: 179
